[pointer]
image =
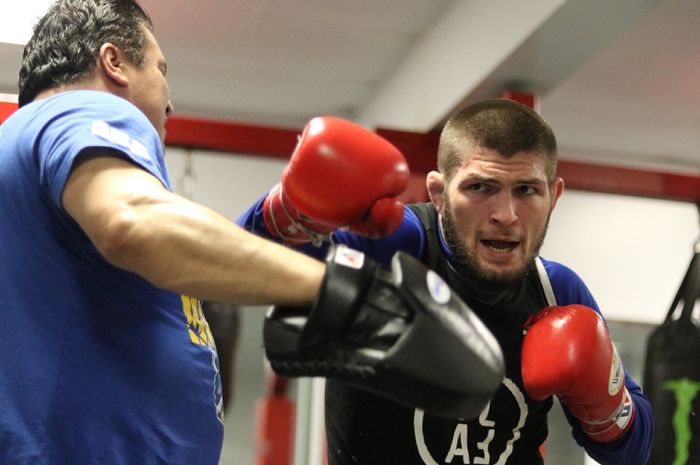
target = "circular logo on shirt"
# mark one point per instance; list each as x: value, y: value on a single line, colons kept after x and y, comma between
x: 488, y: 439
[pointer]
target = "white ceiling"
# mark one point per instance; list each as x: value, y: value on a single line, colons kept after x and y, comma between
x: 619, y: 80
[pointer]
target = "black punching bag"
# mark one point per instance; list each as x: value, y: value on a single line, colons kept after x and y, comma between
x: 672, y: 377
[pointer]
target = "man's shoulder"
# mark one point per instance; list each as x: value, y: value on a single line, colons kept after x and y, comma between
x: 75, y: 106
x: 560, y: 272
x: 91, y: 113
x: 568, y: 286
x: 425, y: 211
x: 88, y: 100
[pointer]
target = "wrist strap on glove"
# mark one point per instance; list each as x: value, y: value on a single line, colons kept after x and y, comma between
x: 613, y: 427
x: 291, y: 226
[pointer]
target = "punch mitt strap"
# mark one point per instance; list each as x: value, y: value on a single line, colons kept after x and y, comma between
x: 348, y: 275
x: 401, y: 333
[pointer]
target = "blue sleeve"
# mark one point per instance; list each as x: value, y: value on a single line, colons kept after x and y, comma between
x: 634, y: 446
x: 409, y: 237
x: 74, y: 121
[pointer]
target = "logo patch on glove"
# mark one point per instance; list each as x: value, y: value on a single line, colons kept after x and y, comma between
x: 438, y: 288
x: 351, y: 258
x: 617, y: 374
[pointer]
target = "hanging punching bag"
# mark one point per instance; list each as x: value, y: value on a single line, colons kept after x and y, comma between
x: 672, y: 377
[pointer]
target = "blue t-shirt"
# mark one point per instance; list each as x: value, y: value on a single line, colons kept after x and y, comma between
x: 97, y: 366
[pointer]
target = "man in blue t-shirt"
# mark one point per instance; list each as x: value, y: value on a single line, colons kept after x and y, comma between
x: 104, y: 359
x: 491, y: 199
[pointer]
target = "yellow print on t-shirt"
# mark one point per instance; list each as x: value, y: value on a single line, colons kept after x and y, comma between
x: 197, y: 325
x: 200, y: 334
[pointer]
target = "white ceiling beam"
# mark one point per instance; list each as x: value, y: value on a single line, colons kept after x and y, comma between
x: 481, y: 47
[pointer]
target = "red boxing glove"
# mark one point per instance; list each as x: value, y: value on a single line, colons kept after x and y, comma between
x: 340, y: 175
x: 567, y: 352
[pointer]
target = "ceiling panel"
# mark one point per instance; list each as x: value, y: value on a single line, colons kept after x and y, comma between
x: 613, y: 91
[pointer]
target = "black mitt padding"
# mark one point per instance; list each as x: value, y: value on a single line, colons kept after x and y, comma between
x: 401, y: 333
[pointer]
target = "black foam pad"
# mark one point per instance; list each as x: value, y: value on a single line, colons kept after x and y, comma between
x: 399, y: 332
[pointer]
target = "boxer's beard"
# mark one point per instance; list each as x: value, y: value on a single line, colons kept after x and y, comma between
x: 467, y: 260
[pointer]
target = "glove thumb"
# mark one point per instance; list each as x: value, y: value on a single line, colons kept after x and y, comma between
x: 383, y: 218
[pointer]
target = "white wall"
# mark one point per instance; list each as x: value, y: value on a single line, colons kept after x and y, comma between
x: 225, y: 182
x: 631, y: 252
x: 229, y: 184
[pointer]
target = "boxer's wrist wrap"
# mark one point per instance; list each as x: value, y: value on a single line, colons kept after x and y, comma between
x: 615, y: 425
x: 290, y: 226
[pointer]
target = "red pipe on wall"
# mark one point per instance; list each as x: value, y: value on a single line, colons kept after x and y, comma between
x: 420, y: 150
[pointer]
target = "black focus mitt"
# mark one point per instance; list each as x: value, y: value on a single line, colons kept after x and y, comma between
x: 401, y: 333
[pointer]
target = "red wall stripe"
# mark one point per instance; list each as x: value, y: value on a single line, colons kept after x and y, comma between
x: 420, y: 150
x: 6, y: 109
x: 630, y: 181
x: 225, y: 136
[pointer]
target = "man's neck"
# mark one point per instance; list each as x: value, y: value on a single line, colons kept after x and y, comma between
x: 89, y: 83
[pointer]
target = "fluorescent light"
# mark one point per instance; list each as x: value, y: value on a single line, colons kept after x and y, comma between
x: 16, y: 23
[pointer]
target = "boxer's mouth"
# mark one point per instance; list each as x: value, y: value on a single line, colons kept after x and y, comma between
x: 500, y: 246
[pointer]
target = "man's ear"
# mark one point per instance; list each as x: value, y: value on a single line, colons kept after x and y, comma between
x: 435, y: 182
x: 113, y: 62
x: 556, y: 191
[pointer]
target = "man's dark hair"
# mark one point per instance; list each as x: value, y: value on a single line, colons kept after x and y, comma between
x: 502, y: 125
x: 67, y: 40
